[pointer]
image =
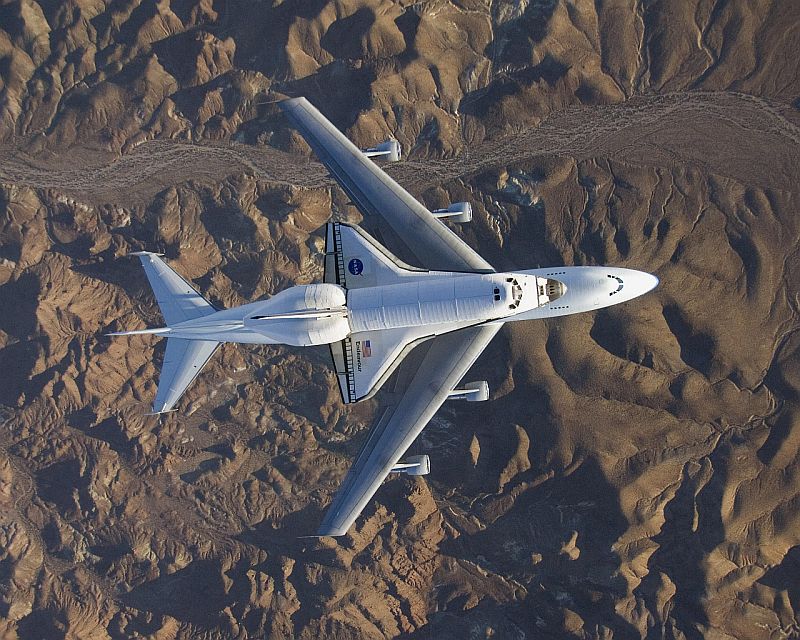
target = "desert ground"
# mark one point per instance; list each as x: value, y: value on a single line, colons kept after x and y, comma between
x: 635, y: 472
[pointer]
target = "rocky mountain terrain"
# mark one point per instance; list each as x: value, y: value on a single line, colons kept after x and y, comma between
x: 635, y: 473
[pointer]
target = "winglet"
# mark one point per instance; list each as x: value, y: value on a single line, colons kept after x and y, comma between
x: 145, y: 253
x: 158, y: 413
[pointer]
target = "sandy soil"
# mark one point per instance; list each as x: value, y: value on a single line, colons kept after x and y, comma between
x: 635, y: 473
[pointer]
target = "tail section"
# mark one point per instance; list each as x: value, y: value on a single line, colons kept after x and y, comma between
x: 183, y: 360
x: 178, y: 302
x: 176, y: 298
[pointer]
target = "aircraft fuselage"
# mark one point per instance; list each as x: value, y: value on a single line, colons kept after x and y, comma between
x: 306, y: 315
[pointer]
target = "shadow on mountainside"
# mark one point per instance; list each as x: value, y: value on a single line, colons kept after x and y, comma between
x: 555, y: 541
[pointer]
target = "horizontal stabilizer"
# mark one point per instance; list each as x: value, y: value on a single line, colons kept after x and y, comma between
x: 176, y: 298
x: 183, y: 360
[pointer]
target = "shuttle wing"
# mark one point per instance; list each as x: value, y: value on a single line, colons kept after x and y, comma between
x: 354, y: 260
x: 364, y: 360
x: 422, y: 384
x: 375, y: 193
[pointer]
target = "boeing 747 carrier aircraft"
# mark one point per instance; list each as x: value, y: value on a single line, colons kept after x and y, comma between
x: 426, y: 324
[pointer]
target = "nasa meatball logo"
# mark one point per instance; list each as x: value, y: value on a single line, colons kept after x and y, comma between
x: 355, y: 266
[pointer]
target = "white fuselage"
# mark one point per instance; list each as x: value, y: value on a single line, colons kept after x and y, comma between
x: 435, y: 299
x: 325, y: 313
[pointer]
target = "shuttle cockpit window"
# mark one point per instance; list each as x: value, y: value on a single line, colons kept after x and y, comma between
x: 516, y: 293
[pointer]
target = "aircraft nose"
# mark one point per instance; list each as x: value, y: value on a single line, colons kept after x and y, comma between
x: 644, y: 282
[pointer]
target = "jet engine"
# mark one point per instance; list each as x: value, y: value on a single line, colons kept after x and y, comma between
x: 459, y: 212
x: 414, y: 466
x: 390, y: 150
x: 472, y: 392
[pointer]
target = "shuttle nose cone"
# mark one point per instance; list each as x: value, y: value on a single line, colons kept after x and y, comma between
x: 644, y: 282
x: 652, y: 282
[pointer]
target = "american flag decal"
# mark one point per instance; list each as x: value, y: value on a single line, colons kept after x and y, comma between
x: 366, y: 349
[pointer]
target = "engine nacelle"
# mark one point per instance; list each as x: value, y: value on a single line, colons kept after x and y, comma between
x: 472, y: 392
x: 458, y: 211
x: 414, y: 466
x: 390, y: 150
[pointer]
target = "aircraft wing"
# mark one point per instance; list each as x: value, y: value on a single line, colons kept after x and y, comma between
x: 423, y: 381
x: 375, y: 193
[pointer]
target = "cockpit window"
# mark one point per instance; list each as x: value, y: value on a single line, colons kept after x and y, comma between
x: 619, y: 285
x: 516, y: 293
